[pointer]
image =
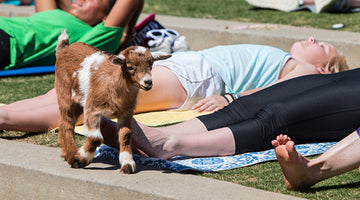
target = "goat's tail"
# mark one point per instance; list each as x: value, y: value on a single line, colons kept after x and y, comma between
x: 63, y: 42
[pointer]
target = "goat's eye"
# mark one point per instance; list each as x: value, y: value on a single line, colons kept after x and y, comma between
x: 130, y: 68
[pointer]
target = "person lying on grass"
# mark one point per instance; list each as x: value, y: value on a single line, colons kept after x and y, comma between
x: 195, y: 80
x: 31, y: 41
x: 312, y: 108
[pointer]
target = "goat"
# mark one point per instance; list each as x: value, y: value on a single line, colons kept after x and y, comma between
x: 98, y: 84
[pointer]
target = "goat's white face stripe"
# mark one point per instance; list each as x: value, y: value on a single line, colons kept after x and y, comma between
x: 90, y: 62
x: 140, y: 49
x: 146, y: 77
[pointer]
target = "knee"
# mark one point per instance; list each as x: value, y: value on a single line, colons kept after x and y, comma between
x: 171, y: 144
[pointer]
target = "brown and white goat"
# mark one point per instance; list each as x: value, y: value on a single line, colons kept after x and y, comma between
x: 98, y: 84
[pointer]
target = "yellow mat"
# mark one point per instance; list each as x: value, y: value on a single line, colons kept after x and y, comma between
x: 167, y: 117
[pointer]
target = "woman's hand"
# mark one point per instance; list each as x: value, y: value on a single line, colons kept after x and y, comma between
x: 212, y: 103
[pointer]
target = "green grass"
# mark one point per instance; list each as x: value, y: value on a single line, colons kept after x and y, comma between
x: 239, y: 10
x: 266, y: 176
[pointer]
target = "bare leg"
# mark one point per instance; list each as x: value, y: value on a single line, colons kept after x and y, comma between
x: 355, y: 4
x: 299, y: 172
x: 167, y: 92
x: 309, y: 2
x: 31, y: 115
x: 41, y: 113
x: 189, y: 138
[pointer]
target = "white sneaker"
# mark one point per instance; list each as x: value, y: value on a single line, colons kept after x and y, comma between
x: 180, y: 44
x: 162, y: 44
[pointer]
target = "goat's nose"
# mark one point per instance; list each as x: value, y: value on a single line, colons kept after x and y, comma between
x: 148, y: 82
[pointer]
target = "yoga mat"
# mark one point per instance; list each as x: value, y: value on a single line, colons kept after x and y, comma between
x: 14, y: 2
x: 27, y: 71
x: 213, y: 164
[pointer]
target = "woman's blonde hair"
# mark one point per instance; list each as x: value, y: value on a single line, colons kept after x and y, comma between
x: 337, y: 64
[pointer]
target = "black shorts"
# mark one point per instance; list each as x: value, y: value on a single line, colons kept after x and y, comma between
x: 4, y: 49
x: 313, y: 108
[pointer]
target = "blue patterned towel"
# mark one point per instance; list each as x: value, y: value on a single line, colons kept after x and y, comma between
x: 213, y: 164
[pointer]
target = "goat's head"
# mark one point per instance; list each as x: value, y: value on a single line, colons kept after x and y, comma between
x: 138, y: 61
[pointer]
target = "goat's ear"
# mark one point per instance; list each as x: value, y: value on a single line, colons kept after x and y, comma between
x: 160, y: 55
x: 119, y: 59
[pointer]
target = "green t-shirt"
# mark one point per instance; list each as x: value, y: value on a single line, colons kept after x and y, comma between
x: 33, y: 39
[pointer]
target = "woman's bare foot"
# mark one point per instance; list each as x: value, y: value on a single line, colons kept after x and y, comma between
x: 152, y: 141
x: 297, y: 173
x: 146, y: 141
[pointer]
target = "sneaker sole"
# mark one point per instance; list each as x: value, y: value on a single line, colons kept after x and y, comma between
x: 283, y: 5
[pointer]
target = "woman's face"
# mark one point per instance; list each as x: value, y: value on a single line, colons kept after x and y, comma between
x: 91, y: 12
x: 313, y: 52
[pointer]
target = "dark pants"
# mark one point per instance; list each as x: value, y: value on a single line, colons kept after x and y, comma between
x: 4, y: 49
x: 313, y: 108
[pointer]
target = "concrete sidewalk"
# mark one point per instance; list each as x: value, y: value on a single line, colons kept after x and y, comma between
x: 38, y: 172
x: 30, y: 171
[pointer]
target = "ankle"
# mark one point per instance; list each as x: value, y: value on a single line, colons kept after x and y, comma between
x: 314, y: 173
x: 170, y: 147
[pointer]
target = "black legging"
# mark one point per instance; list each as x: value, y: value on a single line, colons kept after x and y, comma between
x: 4, y: 49
x: 311, y: 108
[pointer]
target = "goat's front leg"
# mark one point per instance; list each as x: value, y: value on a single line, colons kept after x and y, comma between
x: 127, y: 162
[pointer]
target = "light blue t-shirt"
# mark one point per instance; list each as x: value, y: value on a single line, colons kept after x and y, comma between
x: 246, y: 66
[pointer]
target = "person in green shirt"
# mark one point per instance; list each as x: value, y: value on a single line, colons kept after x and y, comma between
x: 31, y: 41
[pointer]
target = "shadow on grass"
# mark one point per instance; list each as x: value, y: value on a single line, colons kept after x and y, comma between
x: 355, y: 185
x: 21, y: 136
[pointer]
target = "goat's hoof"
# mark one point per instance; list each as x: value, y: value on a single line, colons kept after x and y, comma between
x: 78, y: 162
x: 127, y: 169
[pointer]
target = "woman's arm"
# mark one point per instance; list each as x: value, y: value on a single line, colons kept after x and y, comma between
x: 293, y: 69
x: 43, y: 5
x: 125, y: 13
